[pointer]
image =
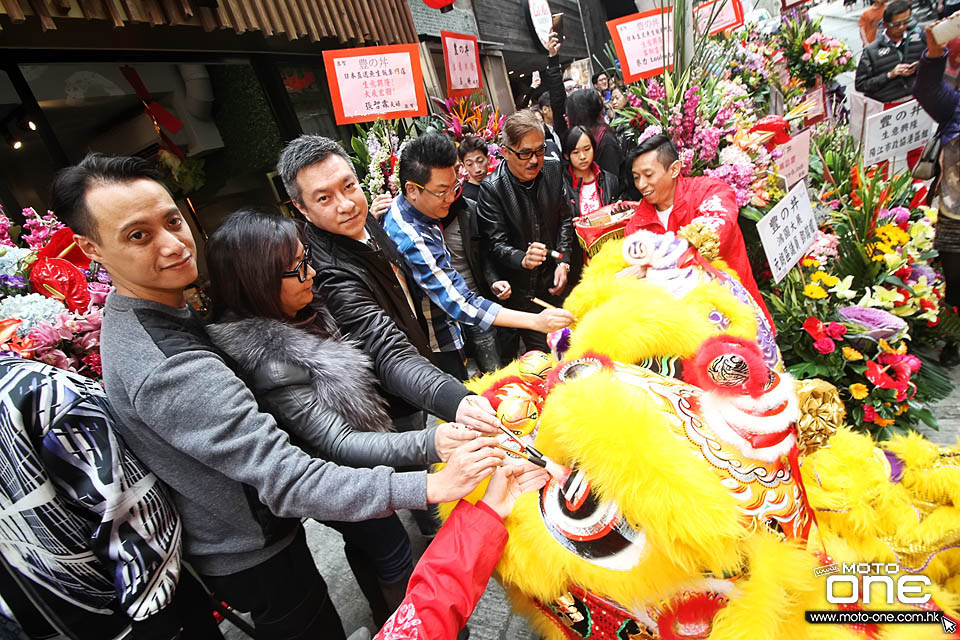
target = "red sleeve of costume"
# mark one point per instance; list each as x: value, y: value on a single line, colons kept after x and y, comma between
x: 451, y: 576
x: 718, y: 200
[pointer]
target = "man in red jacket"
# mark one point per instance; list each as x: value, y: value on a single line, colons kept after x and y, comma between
x: 671, y: 202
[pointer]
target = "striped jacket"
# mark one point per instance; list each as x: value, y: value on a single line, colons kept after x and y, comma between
x: 80, y: 516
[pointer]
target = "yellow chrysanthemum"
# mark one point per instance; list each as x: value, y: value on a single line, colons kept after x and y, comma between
x: 852, y: 354
x: 891, y: 234
x: 815, y: 292
x: 859, y: 391
x: 902, y: 409
x: 825, y: 278
x: 810, y: 262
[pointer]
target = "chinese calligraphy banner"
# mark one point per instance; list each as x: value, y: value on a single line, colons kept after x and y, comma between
x: 787, y: 231
x: 644, y: 43
x: 794, y: 164
x: 369, y: 83
x: 726, y: 14
x: 461, y: 57
x: 894, y: 132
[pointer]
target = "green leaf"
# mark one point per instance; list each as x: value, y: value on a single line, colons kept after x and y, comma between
x: 926, y: 416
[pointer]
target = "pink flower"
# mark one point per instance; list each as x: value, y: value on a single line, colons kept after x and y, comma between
x: 824, y: 346
x: 98, y: 293
x: 57, y: 358
x: 869, y: 413
x: 805, y: 57
x: 836, y: 330
x: 44, y: 336
x: 88, y: 341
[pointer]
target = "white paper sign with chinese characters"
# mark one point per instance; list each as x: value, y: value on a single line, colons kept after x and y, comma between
x: 726, y: 14
x: 787, y: 231
x: 461, y: 56
x: 644, y: 43
x: 894, y: 132
x: 794, y: 164
x: 368, y: 83
x: 542, y: 19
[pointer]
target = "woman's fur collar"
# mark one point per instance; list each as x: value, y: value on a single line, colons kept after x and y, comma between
x: 342, y: 375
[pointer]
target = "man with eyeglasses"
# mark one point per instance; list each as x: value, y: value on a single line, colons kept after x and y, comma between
x: 526, y: 221
x: 888, y: 65
x: 430, y: 187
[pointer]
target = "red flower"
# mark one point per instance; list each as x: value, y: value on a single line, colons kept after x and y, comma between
x: 869, y: 413
x: 933, y: 323
x: 903, y: 272
x: 904, y: 297
x: 814, y: 327
x: 61, y: 245
x: 824, y: 345
x: 926, y: 305
x: 836, y: 330
x: 878, y: 375
x: 57, y: 278
x: 919, y: 198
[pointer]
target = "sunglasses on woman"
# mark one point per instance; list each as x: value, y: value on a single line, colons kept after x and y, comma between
x: 300, y: 271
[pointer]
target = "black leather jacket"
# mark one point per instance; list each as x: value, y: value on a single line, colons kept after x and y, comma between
x: 321, y: 391
x: 362, y: 293
x: 512, y: 214
x: 880, y: 57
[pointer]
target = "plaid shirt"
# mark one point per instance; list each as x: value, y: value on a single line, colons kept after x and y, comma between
x: 448, y: 300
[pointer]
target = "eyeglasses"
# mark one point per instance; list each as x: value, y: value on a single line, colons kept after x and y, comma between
x: 300, y: 271
x: 454, y: 190
x: 526, y: 154
x: 902, y: 23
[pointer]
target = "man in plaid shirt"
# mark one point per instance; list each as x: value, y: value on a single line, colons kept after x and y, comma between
x: 430, y: 186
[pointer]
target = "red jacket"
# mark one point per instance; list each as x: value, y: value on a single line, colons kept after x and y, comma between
x: 711, y: 201
x: 451, y: 576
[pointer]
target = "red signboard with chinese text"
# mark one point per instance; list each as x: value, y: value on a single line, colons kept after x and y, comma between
x: 644, y: 43
x: 461, y: 57
x: 727, y: 15
x: 368, y: 83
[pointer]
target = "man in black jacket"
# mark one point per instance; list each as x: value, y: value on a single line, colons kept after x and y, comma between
x: 526, y: 222
x: 362, y: 280
x: 888, y: 65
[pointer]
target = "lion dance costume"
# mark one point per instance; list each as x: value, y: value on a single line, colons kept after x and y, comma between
x: 686, y: 509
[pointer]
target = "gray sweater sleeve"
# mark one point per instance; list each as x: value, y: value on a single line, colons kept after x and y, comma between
x: 220, y: 425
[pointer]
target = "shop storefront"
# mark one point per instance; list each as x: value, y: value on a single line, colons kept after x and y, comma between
x: 211, y: 90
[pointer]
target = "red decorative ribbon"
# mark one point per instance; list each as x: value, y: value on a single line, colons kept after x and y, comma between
x: 761, y: 440
x: 795, y: 470
x: 162, y: 119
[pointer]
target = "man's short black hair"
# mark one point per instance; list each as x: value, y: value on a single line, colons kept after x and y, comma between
x: 544, y: 100
x: 469, y: 144
x: 422, y: 155
x: 597, y: 75
x: 68, y: 195
x: 895, y: 8
x: 666, y: 152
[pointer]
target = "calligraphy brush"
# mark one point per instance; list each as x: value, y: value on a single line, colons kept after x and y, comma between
x: 529, y: 452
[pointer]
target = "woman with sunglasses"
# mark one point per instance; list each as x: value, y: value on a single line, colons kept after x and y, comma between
x: 319, y: 388
x: 588, y: 186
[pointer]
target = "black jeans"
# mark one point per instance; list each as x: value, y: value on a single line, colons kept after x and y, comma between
x: 384, y: 541
x: 286, y: 596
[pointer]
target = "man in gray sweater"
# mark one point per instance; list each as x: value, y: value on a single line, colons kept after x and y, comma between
x: 238, y: 483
